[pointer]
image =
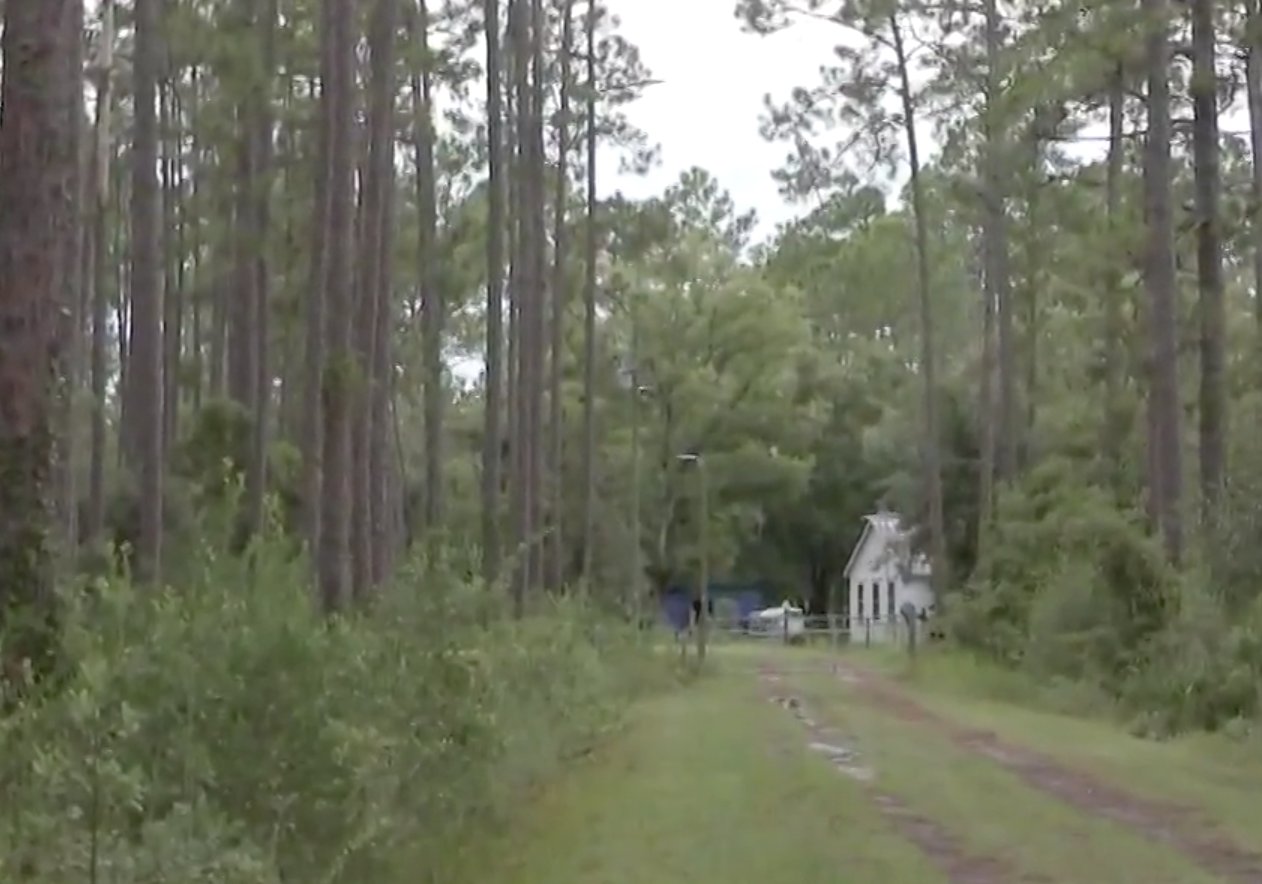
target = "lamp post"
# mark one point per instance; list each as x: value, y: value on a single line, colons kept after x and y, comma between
x: 703, y: 580
x: 635, y: 497
x: 631, y: 372
x: 638, y: 390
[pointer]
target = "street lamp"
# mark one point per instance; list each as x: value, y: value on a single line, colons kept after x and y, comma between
x: 703, y: 580
x: 638, y: 390
x: 630, y: 373
x: 630, y: 377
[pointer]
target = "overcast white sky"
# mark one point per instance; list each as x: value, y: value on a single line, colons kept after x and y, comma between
x: 705, y: 112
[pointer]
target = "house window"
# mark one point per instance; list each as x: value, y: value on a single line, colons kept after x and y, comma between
x: 876, y: 600
x: 889, y: 594
x: 859, y: 613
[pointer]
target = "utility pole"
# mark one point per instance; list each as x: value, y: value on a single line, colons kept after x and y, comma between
x: 637, y: 568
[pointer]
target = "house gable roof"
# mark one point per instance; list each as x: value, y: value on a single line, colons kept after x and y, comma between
x: 882, y: 524
x: 887, y: 527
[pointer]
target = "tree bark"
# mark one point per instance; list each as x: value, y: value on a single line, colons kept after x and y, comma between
x: 338, y: 37
x: 37, y: 170
x: 521, y: 289
x: 145, y: 363
x: 998, y: 259
x: 1165, y: 480
x: 494, y: 369
x: 1209, y: 266
x: 260, y: 138
x: 560, y: 244
x: 1113, y: 427
x: 537, y: 219
x: 932, y: 457
x: 591, y: 253
x: 374, y: 271
x: 102, y: 152
x: 433, y: 298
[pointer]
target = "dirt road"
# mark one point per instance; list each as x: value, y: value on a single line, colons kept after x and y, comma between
x: 800, y: 769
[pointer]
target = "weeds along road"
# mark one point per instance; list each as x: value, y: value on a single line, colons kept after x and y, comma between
x: 797, y: 767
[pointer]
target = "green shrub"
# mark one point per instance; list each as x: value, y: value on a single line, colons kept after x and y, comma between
x: 1203, y: 672
x: 1073, y: 591
x: 1068, y: 586
x: 224, y: 731
x: 950, y: 670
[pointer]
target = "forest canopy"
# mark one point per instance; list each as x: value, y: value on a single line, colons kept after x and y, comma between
x: 243, y: 280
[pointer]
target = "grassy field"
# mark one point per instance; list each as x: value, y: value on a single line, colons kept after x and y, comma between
x: 1218, y: 777
x: 990, y: 810
x: 713, y: 784
x: 710, y: 784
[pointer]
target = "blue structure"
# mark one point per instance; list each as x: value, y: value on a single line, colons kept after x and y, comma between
x: 725, y: 598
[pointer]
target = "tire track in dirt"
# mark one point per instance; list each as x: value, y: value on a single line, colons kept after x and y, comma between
x: 1178, y: 828
x: 936, y: 843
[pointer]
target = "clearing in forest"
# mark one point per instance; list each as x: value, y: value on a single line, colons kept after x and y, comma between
x: 783, y: 767
x: 709, y: 784
x: 1195, y: 795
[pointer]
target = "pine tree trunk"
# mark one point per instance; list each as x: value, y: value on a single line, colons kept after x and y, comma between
x: 145, y: 363
x: 38, y: 157
x: 1165, y: 480
x: 338, y: 36
x: 494, y: 373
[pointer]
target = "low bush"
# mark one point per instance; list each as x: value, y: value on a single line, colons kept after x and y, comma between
x: 1073, y: 592
x: 1202, y: 673
x: 952, y: 670
x: 1074, y: 596
x: 1067, y: 585
x: 225, y: 731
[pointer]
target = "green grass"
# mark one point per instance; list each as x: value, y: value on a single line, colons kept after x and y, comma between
x: 1217, y: 776
x: 941, y: 670
x: 709, y: 784
x: 989, y: 810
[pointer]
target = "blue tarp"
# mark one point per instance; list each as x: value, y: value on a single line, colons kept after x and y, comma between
x: 677, y: 601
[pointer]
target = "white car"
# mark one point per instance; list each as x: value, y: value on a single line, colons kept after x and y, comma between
x: 786, y: 622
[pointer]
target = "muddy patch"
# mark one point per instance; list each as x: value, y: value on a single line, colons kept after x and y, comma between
x: 1176, y: 827
x: 828, y: 742
x: 937, y: 844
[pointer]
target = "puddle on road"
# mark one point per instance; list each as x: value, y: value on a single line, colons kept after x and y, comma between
x: 844, y: 759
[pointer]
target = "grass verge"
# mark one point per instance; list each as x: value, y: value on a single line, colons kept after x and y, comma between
x: 989, y: 810
x: 709, y: 785
x: 1218, y: 777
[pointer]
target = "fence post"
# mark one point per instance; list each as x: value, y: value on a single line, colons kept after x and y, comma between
x: 867, y: 632
x: 908, y: 610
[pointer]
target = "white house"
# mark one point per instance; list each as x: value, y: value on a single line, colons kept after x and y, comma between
x: 883, y: 573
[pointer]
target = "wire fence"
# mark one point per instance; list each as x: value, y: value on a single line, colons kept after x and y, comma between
x: 834, y: 629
